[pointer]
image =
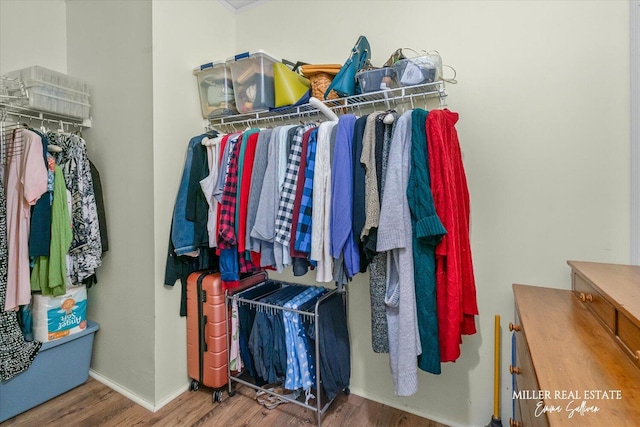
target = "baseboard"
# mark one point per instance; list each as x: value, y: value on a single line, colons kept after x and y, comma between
x: 394, y: 404
x: 123, y: 391
x: 171, y: 397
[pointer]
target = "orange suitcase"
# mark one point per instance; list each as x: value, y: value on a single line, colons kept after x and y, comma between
x: 207, y: 329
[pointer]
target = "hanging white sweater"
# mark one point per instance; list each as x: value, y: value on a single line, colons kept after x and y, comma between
x: 394, y: 235
x: 321, y: 210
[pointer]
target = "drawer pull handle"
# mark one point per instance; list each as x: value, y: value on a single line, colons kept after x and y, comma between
x: 585, y: 297
x: 514, y: 327
x: 514, y: 423
x: 514, y: 370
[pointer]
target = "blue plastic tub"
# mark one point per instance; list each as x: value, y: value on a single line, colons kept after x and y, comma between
x: 59, y: 366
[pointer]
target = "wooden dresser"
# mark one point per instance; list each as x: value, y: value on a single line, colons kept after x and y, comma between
x: 575, y: 352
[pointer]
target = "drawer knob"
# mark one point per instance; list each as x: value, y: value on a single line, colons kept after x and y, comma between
x: 585, y: 297
x: 514, y: 423
x: 514, y: 370
x: 514, y: 327
x: 637, y: 354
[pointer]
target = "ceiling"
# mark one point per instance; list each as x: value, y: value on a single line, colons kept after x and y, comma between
x: 240, y: 5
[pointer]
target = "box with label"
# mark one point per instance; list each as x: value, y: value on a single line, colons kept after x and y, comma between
x: 57, y: 317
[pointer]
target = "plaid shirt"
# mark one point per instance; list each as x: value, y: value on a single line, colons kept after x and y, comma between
x: 226, y: 228
x: 303, y: 232
x: 288, y: 193
x: 227, y: 238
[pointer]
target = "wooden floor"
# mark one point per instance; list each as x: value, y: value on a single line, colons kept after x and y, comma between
x: 94, y: 404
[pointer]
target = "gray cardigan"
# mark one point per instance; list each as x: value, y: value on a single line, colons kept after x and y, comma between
x: 395, y: 236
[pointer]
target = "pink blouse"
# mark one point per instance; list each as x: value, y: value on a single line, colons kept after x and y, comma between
x: 25, y: 181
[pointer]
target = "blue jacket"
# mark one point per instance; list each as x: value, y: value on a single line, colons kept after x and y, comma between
x: 182, y: 231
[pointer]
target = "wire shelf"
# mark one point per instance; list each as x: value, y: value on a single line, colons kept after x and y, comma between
x: 13, y: 98
x: 388, y: 99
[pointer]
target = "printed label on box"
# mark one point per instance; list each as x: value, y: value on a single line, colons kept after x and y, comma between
x: 58, y: 317
x: 70, y: 318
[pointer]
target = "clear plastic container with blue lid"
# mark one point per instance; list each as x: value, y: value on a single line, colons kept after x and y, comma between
x: 215, y: 87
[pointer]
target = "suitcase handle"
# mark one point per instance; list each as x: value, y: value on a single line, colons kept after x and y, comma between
x: 203, y: 337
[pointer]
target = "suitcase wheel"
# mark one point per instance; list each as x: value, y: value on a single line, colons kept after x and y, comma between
x: 217, y: 396
x: 194, y: 385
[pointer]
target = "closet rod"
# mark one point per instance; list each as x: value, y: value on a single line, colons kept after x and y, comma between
x: 391, y: 98
x: 277, y: 307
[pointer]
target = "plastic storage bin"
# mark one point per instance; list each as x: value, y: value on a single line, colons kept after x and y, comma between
x: 253, y: 81
x: 54, y: 92
x: 419, y: 70
x: 378, y: 79
x: 215, y: 86
x: 59, y: 366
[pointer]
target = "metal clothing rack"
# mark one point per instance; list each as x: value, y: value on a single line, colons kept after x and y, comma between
x: 387, y: 99
x: 319, y: 408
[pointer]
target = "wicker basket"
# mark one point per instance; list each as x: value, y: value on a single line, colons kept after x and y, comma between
x: 319, y: 84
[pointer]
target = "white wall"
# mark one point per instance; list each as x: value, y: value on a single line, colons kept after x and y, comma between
x: 33, y: 32
x: 109, y: 45
x: 635, y: 131
x: 543, y: 97
x: 186, y: 34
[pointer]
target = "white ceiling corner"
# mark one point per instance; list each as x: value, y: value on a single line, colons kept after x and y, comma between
x: 238, y: 6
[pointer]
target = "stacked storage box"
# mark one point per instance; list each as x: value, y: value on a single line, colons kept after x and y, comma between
x: 253, y: 81
x: 54, y: 92
x: 216, y: 90
x: 241, y: 84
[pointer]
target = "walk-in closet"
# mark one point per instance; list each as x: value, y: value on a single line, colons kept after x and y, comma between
x: 330, y: 255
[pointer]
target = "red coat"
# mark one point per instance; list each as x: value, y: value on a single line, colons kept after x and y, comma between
x: 455, y: 283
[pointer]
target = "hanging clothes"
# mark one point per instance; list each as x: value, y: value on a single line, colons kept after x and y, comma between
x: 456, y: 291
x: 343, y: 241
x: 349, y: 196
x: 395, y: 236
x: 25, y: 182
x: 258, y: 173
x: 16, y: 354
x: 208, y: 186
x: 86, y: 249
x: 305, y: 217
x: 40, y: 229
x: 428, y: 233
x: 49, y: 274
x: 321, y: 212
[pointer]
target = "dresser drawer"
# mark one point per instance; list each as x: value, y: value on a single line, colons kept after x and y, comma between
x: 525, y: 382
x: 523, y: 369
x: 629, y: 334
x: 594, y: 300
